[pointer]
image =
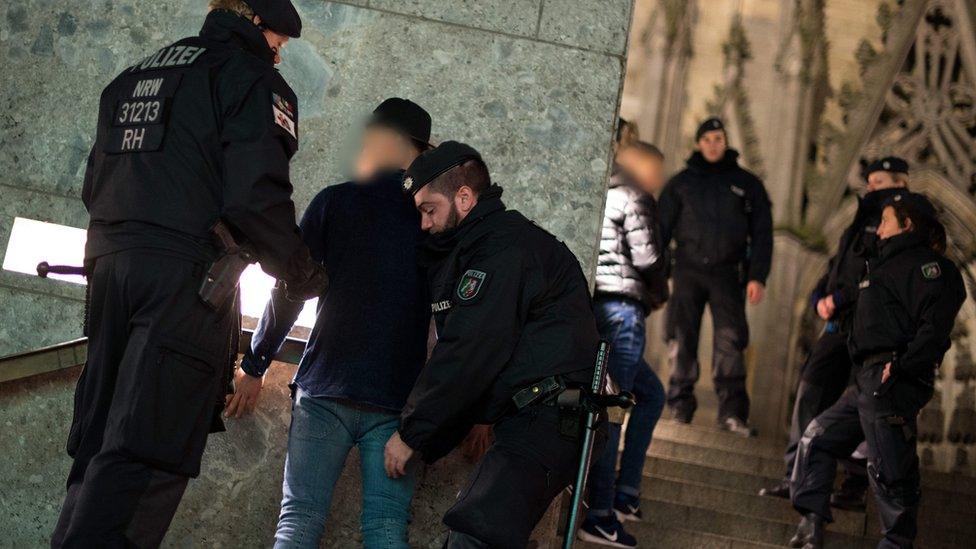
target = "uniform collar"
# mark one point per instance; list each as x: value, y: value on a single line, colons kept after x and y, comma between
x: 893, y: 246
x: 728, y: 162
x: 225, y: 26
x: 489, y: 202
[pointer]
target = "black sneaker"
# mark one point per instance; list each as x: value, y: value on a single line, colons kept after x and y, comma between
x: 605, y: 531
x: 627, y: 507
x: 737, y: 426
x: 781, y: 490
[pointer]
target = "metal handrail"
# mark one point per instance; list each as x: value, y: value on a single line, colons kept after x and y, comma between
x: 73, y: 353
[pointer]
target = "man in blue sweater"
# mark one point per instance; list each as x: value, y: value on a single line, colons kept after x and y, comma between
x: 369, y: 340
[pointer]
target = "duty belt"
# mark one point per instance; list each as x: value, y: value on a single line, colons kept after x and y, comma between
x: 879, y: 358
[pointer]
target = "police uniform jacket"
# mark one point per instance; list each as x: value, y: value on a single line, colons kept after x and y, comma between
x: 511, y: 307
x: 200, y: 130
x: 858, y: 243
x: 718, y: 214
x: 907, y: 304
x: 631, y: 263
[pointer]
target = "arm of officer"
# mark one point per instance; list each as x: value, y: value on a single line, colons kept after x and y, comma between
x: 279, y: 316
x: 669, y: 207
x: 643, y: 241
x: 479, y: 336
x: 760, y: 234
x: 935, y: 301
x: 257, y: 188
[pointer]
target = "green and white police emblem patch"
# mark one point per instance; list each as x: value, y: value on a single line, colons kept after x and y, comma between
x: 931, y: 270
x: 471, y: 284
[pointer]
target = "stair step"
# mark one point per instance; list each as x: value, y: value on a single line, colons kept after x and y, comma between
x: 732, y: 525
x: 687, y: 470
x: 712, y: 437
x: 724, y: 459
x: 658, y: 536
x: 750, y: 505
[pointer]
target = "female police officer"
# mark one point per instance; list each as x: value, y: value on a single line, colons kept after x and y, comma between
x: 906, y: 307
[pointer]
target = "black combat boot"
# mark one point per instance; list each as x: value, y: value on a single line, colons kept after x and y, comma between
x: 781, y: 490
x: 809, y: 533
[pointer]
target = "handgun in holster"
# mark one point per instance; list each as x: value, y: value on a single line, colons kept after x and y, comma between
x: 219, y: 286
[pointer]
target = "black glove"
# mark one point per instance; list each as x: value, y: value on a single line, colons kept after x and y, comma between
x: 314, y: 285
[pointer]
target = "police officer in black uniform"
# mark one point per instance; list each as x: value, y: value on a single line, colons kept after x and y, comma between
x: 719, y: 216
x: 906, y: 306
x: 514, y: 327
x: 827, y: 370
x: 197, y: 133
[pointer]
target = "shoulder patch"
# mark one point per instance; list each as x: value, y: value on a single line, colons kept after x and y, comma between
x: 738, y: 190
x: 931, y: 270
x: 471, y: 283
x: 284, y: 114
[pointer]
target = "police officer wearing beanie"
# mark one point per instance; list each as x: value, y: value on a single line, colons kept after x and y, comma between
x: 827, y: 370
x: 718, y: 215
x: 197, y: 133
x: 515, y: 326
x: 906, y: 306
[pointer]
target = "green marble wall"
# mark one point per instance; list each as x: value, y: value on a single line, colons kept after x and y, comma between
x: 534, y: 84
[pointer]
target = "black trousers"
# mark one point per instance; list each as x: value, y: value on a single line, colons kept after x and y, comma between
x: 514, y: 483
x: 824, y: 377
x: 148, y: 396
x: 887, y: 423
x: 723, y: 291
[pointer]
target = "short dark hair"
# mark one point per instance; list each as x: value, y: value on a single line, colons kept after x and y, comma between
x: 645, y: 148
x: 923, y: 222
x: 471, y: 173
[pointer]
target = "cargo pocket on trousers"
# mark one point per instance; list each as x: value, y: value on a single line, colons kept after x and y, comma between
x: 171, y: 418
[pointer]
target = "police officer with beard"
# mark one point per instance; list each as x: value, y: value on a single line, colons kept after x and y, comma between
x: 515, y: 327
x: 906, y: 306
x: 719, y: 216
x: 199, y: 134
x: 827, y: 370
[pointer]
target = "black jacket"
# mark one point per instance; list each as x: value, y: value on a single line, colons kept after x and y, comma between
x: 858, y: 243
x: 631, y: 264
x: 200, y: 130
x: 718, y: 214
x: 907, y: 304
x: 511, y: 307
x: 370, y: 336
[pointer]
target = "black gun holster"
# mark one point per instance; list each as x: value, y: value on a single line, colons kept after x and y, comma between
x: 219, y: 286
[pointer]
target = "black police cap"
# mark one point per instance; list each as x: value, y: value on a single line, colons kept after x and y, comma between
x: 712, y: 124
x: 404, y: 116
x: 278, y: 15
x: 917, y: 205
x: 886, y: 164
x: 435, y: 162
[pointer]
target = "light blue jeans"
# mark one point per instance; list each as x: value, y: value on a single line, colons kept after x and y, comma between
x: 322, y: 433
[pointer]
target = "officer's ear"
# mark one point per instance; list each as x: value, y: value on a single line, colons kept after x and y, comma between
x: 465, y: 199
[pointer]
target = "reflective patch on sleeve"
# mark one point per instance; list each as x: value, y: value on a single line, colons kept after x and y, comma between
x: 284, y: 114
x: 932, y: 270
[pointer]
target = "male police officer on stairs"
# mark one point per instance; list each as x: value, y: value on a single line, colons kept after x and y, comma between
x: 201, y: 131
x: 827, y: 370
x: 514, y: 327
x: 719, y: 216
x: 906, y: 307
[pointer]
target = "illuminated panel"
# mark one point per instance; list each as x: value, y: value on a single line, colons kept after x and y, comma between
x: 32, y: 242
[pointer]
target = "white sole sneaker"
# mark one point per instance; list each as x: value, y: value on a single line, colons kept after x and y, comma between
x: 624, y: 517
x: 583, y: 535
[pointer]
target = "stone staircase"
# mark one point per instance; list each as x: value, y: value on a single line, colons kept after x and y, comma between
x: 700, y: 491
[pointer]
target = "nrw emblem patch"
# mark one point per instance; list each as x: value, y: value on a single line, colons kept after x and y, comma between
x: 471, y: 284
x: 284, y: 114
x: 931, y: 270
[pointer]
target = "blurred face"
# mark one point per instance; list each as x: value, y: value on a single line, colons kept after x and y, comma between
x: 882, y: 180
x: 382, y: 148
x: 712, y: 145
x: 889, y: 226
x: 439, y: 213
x: 275, y: 41
x: 647, y: 169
